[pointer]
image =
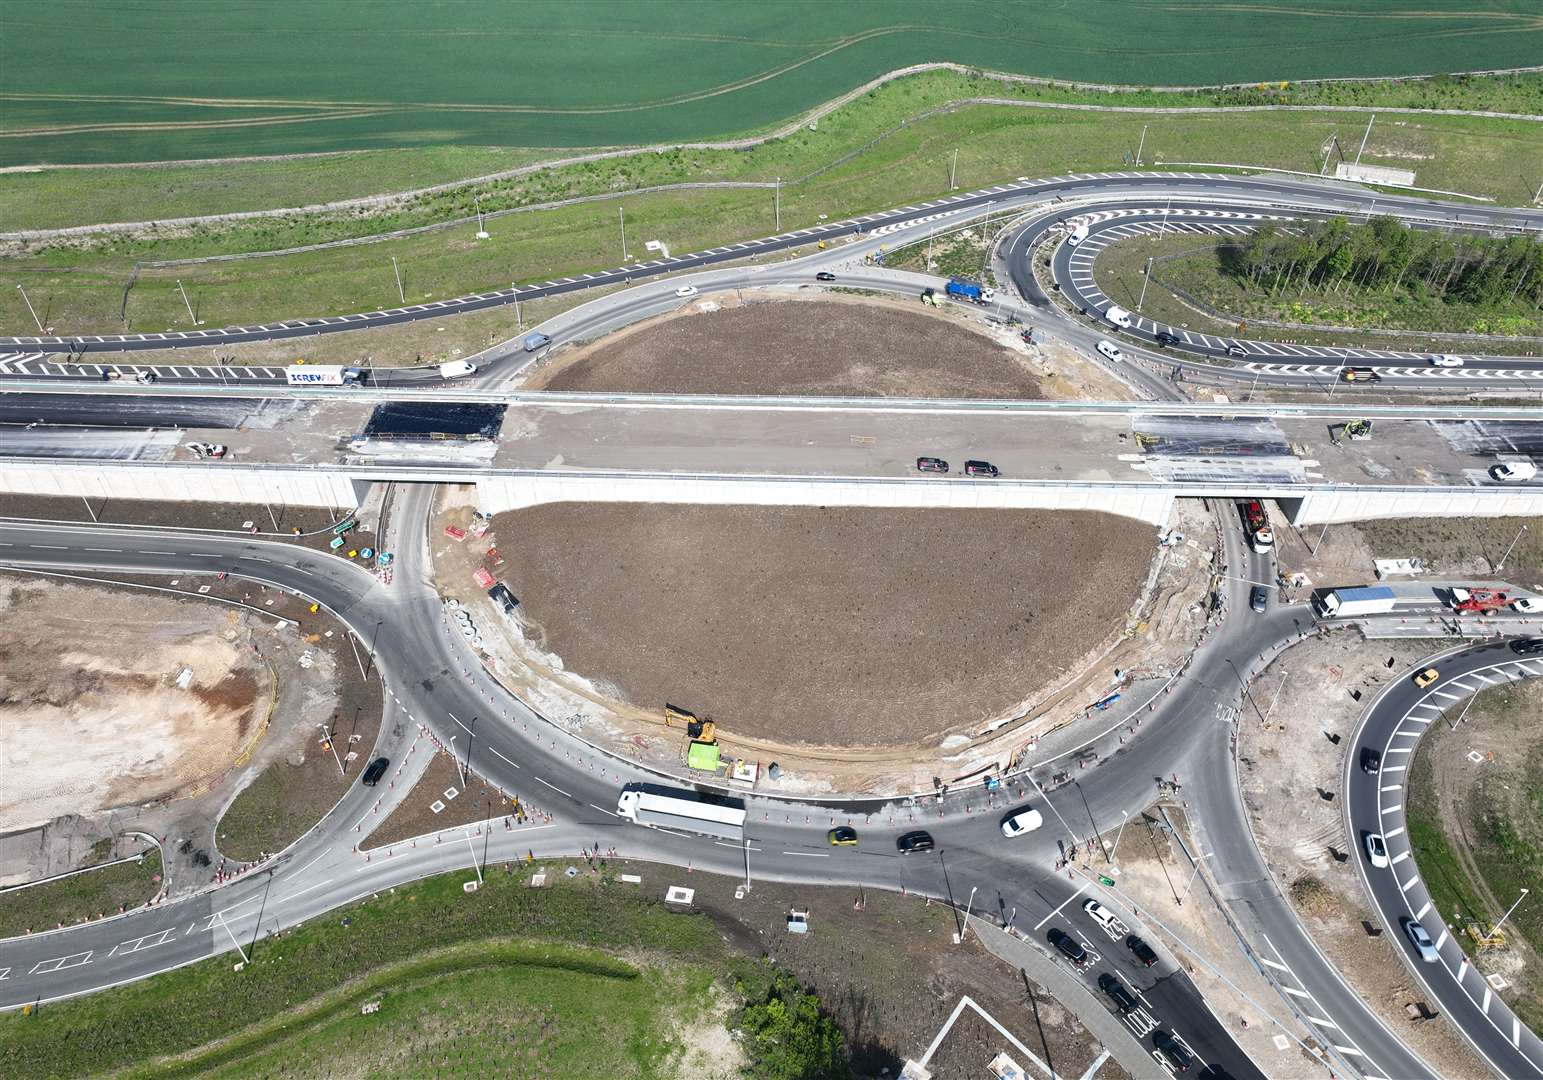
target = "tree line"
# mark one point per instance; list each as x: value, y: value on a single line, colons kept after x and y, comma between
x: 1387, y: 256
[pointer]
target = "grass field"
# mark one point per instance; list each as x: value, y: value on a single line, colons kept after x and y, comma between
x: 84, y: 896
x: 88, y: 290
x: 286, y: 76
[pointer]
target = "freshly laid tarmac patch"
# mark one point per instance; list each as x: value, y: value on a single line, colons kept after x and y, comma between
x: 848, y: 627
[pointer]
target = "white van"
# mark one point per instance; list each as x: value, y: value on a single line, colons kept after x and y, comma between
x: 1118, y: 315
x: 1514, y: 471
x: 1109, y: 349
x: 1078, y: 235
x: 456, y: 368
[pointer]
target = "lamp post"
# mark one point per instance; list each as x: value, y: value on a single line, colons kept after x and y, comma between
x: 1194, y: 875
x: 397, y: 270
x: 482, y: 233
x: 1499, y: 566
x: 967, y: 907
x: 1125, y: 816
x: 1146, y: 276
x: 1496, y: 928
x: 31, y: 309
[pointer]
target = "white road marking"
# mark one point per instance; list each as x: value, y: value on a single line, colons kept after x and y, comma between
x: 1297, y: 993
x: 157, y: 553
x: 1411, y: 883
x: 1400, y: 857
x: 105, y: 549
x: 61, y: 963
x: 1063, y: 903
x: 810, y: 854
x: 1394, y: 768
x: 516, y: 764
x: 305, y: 890
x: 1392, y: 787
x: 149, y: 941
x: 1488, y: 994
x: 602, y: 809
x: 1391, y: 833
x: 555, y: 788
x: 1322, y: 1022
x: 1348, y: 1050
x: 1442, y: 940
x: 1418, y: 915
x: 1273, y: 964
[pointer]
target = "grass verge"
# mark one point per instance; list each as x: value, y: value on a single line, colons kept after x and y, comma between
x: 89, y: 895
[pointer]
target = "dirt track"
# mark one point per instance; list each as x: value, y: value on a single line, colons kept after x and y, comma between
x: 843, y: 348
x: 845, y: 627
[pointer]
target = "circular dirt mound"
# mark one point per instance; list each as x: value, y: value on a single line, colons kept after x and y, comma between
x: 816, y: 347
x: 845, y: 627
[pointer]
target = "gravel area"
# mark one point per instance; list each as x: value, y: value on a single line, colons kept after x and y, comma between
x: 839, y: 347
x: 835, y: 627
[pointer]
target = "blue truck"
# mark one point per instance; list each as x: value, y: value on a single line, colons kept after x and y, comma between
x: 969, y: 290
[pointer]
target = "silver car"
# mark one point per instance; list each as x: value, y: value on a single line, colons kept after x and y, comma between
x: 1421, y: 940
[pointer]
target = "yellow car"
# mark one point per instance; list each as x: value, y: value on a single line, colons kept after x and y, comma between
x: 842, y: 836
x: 1426, y: 677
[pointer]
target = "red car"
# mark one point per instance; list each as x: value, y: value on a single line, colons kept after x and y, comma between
x: 931, y: 464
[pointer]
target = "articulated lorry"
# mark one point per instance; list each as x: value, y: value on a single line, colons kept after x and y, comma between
x: 322, y: 375
x: 1348, y: 603
x: 969, y: 290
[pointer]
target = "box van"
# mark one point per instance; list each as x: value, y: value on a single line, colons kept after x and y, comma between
x: 456, y: 368
x: 1118, y: 315
x: 535, y: 340
x: 1111, y: 350
x: 1078, y: 235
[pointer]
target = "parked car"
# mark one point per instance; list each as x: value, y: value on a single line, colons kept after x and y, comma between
x: 931, y: 464
x: 1446, y: 360
x: 1527, y: 646
x: 1022, y: 821
x: 1259, y: 598
x: 1165, y: 338
x: 1123, y: 999
x: 1371, y: 761
x: 1110, y: 350
x: 376, y: 770
x: 1068, y: 946
x: 981, y: 468
x: 1099, y: 914
x: 825, y: 275
x: 914, y: 842
x: 842, y: 836
x: 686, y: 291
x: 1426, y: 677
x: 1141, y: 950
x: 1421, y: 941
x: 1376, y: 850
x: 1172, y: 1051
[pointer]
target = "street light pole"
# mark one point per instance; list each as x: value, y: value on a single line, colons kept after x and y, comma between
x: 1121, y: 831
x: 621, y: 214
x: 194, y: 318
x: 1496, y: 928
x: 1501, y: 564
x: 31, y: 309
x: 397, y: 270
x: 951, y: 170
x: 1053, y: 810
x: 1141, y: 145
x: 1194, y: 875
x: 1368, y: 135
x: 777, y: 202
x: 482, y: 233
x: 475, y: 865
x: 1146, y: 276
x: 967, y: 906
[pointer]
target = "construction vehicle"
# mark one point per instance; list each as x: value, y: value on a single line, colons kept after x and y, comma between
x: 929, y: 296
x: 960, y: 289
x: 1354, y: 430
x: 1479, y: 601
x: 1260, y: 537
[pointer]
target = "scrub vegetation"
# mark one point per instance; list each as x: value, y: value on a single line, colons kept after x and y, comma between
x: 103, y: 891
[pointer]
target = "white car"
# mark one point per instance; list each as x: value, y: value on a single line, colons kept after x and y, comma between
x: 1446, y: 360
x: 686, y: 291
x: 1111, y: 350
x: 1099, y: 914
x: 1527, y: 605
x: 1376, y: 851
x: 1021, y: 821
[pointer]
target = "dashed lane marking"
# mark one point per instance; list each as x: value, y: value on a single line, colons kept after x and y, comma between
x: 61, y: 963
x: 1391, y: 833
x: 555, y: 788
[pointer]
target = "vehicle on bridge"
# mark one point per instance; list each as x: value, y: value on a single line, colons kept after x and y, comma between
x: 684, y: 811
x: 1446, y: 360
x: 454, y: 369
x: 323, y: 375
x: 981, y: 468
x: 1479, y: 601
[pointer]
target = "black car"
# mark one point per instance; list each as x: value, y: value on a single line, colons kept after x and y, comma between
x: 1527, y: 646
x: 981, y: 468
x: 376, y: 770
x: 1141, y: 950
x: 1069, y: 946
x: 914, y: 842
x: 825, y: 275
x: 1259, y: 598
x: 1178, y: 1058
x: 505, y: 599
x: 1165, y: 338
x: 1123, y: 999
x: 1371, y: 761
x: 931, y: 464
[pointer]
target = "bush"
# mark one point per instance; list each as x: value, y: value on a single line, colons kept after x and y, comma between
x: 788, y: 1038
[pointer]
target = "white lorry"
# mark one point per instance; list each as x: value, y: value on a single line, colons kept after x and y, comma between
x: 1348, y: 603
x: 322, y: 375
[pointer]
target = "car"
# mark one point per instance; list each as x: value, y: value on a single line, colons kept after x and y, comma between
x: 1527, y: 605
x: 1141, y: 950
x: 825, y: 275
x: 685, y: 291
x: 1426, y: 677
x: 145, y: 377
x: 1258, y: 598
x: 1021, y: 821
x: 1235, y: 350
x: 981, y: 468
x: 505, y: 599
x: 1371, y: 761
x: 1163, y: 337
x: 1513, y: 472
x: 1446, y: 360
x: 207, y: 450
x: 1172, y: 1051
x: 1099, y: 914
x: 1118, y: 316
x: 931, y: 464
x: 376, y: 770
x: 1359, y: 374
x: 914, y: 842
x: 1123, y: 999
x: 1077, y: 236
x: 1421, y: 941
x: 1531, y: 646
x: 1068, y: 946
x: 842, y: 836
x: 1376, y: 850
x: 1111, y: 350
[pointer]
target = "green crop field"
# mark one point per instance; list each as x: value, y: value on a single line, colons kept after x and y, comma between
x: 135, y: 80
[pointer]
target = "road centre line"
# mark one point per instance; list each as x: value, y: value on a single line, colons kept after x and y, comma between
x: 1063, y: 903
x: 602, y: 809
x: 516, y: 764
x: 305, y: 890
x: 312, y: 863
x: 554, y: 787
